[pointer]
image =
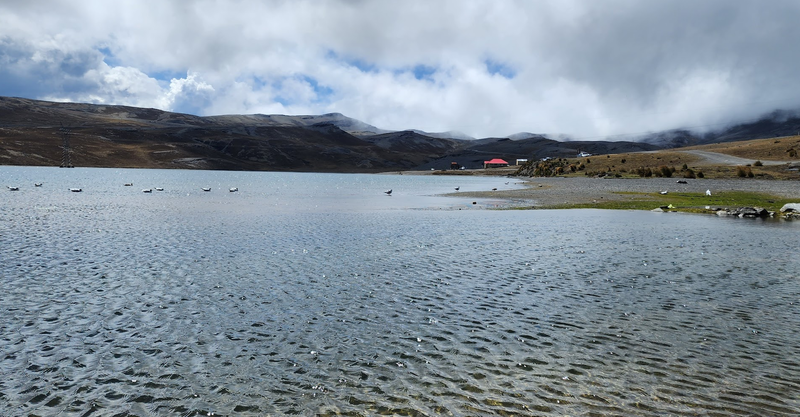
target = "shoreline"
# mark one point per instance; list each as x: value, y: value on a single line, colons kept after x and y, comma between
x: 558, y: 192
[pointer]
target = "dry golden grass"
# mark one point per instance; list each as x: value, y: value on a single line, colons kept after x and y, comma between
x: 626, y: 164
x: 772, y: 149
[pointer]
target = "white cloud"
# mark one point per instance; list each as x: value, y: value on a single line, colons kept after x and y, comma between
x: 491, y: 68
x: 190, y: 94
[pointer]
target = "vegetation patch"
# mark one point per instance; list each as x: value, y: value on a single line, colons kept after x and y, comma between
x: 686, y: 202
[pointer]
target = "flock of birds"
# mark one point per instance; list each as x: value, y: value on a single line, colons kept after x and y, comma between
x: 128, y: 184
x: 235, y: 189
x: 206, y: 189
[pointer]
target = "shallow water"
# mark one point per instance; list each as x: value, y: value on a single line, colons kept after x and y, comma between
x: 116, y: 302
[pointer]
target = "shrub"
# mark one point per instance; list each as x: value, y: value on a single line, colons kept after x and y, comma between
x: 758, y: 163
x: 684, y: 167
x: 792, y: 153
x: 744, y: 172
x: 666, y: 171
x: 623, y: 160
x: 700, y: 174
x: 688, y: 173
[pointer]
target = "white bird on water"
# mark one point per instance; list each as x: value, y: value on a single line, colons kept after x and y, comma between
x: 206, y: 189
x: 388, y: 192
x: 234, y: 189
x: 147, y: 190
x: 457, y: 188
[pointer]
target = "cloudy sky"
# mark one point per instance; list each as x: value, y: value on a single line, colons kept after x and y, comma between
x: 591, y: 69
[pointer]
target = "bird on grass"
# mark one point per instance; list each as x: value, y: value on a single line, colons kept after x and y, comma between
x: 708, y: 192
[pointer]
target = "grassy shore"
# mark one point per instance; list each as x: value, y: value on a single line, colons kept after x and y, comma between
x: 646, y: 194
x: 687, y: 202
x: 759, y: 173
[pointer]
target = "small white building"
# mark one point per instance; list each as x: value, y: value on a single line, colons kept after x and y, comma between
x: 522, y: 161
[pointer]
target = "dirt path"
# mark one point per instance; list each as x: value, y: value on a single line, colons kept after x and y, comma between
x: 716, y: 158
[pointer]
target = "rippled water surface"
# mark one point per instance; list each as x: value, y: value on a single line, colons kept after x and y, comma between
x: 316, y: 294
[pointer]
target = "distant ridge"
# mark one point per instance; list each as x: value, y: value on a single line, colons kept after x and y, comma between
x: 445, y: 135
x: 349, y: 125
x: 125, y: 136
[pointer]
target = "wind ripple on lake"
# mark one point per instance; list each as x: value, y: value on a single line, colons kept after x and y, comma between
x: 116, y: 309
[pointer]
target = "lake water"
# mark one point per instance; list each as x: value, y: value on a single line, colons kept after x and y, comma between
x: 317, y: 294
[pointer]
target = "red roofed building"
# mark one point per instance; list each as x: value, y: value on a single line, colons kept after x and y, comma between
x: 495, y: 163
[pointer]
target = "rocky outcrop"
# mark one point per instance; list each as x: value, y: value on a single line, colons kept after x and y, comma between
x: 744, y: 212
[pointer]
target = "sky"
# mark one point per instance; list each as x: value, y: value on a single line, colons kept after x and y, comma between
x: 586, y: 69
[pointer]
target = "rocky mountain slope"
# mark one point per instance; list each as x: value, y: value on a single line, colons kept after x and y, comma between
x: 32, y: 131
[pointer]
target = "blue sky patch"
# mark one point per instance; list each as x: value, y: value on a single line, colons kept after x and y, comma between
x: 361, y: 65
x: 168, y: 75
x: 424, y: 72
x: 109, y: 58
x: 322, y: 93
x: 498, y: 68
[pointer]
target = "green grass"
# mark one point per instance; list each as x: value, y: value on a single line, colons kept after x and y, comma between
x: 689, y: 202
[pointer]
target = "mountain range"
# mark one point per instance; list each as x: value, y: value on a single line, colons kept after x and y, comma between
x: 32, y: 132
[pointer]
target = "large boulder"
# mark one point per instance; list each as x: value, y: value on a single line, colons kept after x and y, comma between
x: 791, y: 207
x: 753, y: 212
